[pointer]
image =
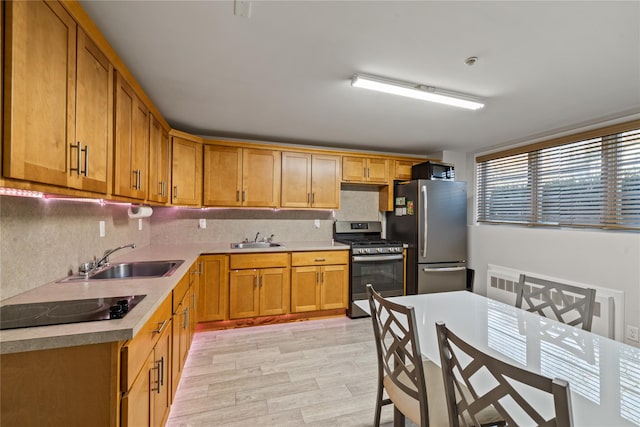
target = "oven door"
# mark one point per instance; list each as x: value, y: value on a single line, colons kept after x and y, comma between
x: 384, y: 272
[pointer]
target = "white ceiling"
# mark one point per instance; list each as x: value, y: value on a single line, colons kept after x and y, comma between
x: 284, y: 73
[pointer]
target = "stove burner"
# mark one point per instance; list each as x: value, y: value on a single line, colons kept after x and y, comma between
x: 61, y: 312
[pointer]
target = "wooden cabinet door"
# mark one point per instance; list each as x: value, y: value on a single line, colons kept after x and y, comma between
x: 353, y: 168
x: 244, y: 295
x: 296, y: 180
x: 39, y: 91
x: 136, y: 402
x: 94, y: 104
x: 140, y: 148
x: 378, y: 170
x: 179, y: 344
x: 334, y: 286
x: 158, y: 186
x: 402, y: 169
x: 89, y: 160
x: 131, y: 142
x: 186, y: 172
x: 160, y: 380
x: 213, y: 293
x: 305, y: 292
x: 222, y: 176
x: 325, y: 182
x: 274, y: 291
x: 260, y: 178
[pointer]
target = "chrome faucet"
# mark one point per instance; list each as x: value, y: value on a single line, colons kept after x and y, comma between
x: 105, y: 257
x: 256, y: 239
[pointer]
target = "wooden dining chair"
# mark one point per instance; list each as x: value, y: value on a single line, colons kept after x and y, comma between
x: 401, y: 370
x: 476, y: 382
x: 566, y: 303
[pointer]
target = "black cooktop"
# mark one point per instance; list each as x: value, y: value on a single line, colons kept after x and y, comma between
x: 60, y: 312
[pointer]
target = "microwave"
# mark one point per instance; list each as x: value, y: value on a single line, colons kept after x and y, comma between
x: 433, y: 170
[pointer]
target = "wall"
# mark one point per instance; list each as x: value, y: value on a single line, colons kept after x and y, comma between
x: 169, y: 225
x: 42, y: 240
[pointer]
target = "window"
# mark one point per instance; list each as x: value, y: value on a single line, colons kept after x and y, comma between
x: 587, y: 180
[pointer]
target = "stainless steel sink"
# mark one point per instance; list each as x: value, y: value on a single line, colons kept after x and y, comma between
x: 254, y: 245
x: 131, y: 270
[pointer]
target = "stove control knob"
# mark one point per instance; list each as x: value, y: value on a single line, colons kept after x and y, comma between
x: 124, y: 304
x: 115, y: 312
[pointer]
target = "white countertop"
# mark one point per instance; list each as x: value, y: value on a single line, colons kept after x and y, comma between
x: 155, y: 289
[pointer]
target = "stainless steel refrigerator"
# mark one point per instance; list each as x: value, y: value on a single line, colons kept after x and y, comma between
x: 431, y: 218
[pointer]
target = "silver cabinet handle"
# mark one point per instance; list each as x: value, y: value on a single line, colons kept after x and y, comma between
x: 175, y: 191
x: 319, y: 259
x: 186, y: 318
x: 140, y: 179
x: 322, y: 280
x: 318, y: 277
x: 86, y: 161
x: 243, y: 196
x: 157, y: 369
x: 425, y: 222
x: 364, y: 172
x: 443, y: 269
x: 237, y: 195
x: 256, y: 280
x: 79, y: 147
x: 162, y: 326
x: 161, y: 371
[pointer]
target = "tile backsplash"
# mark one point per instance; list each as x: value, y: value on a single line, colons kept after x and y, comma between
x: 44, y: 239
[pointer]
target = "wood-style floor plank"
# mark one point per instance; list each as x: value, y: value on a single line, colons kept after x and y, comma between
x: 312, y: 373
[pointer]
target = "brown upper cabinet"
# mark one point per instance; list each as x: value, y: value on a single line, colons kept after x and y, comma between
x: 186, y: 172
x: 310, y: 181
x: 131, y: 142
x: 235, y: 176
x: 365, y: 170
x: 159, y: 162
x: 57, y: 100
x: 402, y: 168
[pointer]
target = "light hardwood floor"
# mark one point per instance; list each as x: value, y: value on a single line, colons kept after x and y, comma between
x: 313, y: 373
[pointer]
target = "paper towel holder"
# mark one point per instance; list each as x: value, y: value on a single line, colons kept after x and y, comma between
x: 139, y: 211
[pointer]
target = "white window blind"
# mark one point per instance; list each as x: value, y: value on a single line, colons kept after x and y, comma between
x: 584, y: 181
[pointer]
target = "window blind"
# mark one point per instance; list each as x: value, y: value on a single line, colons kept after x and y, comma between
x: 592, y: 182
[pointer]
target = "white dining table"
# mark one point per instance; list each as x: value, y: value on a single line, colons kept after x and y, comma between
x: 603, y: 374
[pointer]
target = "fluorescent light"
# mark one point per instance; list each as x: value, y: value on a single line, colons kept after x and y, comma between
x: 417, y: 91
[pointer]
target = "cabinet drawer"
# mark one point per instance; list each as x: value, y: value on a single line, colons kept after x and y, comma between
x: 180, y: 290
x: 259, y: 260
x: 136, y: 351
x: 320, y: 258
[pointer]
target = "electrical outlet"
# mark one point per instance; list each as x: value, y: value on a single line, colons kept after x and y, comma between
x: 316, y: 223
x: 202, y: 223
x: 139, y: 223
x: 102, y: 229
x: 632, y: 333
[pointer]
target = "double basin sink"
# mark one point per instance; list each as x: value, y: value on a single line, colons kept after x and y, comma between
x: 142, y: 269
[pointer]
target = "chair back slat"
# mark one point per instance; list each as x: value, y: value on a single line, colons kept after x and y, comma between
x: 461, y: 362
x: 569, y: 304
x: 398, y: 348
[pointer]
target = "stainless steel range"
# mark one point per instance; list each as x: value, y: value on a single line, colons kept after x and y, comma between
x: 59, y: 312
x: 373, y: 260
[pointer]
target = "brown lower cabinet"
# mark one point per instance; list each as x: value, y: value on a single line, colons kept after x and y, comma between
x: 213, y: 288
x: 319, y: 280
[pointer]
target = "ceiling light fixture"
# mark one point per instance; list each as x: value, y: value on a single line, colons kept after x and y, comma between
x: 417, y: 91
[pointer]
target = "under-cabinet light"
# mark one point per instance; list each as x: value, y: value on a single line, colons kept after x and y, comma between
x: 417, y: 91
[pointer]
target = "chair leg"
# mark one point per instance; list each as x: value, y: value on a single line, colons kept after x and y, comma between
x: 398, y: 417
x: 379, y: 403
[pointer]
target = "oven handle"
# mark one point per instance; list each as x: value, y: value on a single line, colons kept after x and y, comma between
x: 373, y: 258
x: 443, y: 269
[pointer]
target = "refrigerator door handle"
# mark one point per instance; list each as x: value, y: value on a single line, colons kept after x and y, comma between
x: 426, y: 223
x: 444, y: 269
